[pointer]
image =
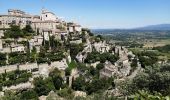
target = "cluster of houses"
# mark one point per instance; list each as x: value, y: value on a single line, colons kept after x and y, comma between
x: 120, y: 68
x: 47, y: 24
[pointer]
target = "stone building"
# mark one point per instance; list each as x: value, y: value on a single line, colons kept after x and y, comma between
x: 36, y: 42
x: 108, y: 71
x: 101, y: 47
x: 73, y: 27
x: 16, y: 17
x: 17, y: 48
x: 47, y: 23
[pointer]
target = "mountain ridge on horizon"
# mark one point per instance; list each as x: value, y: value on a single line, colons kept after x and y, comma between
x: 148, y: 27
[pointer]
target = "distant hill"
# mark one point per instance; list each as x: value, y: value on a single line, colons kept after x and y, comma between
x: 155, y: 27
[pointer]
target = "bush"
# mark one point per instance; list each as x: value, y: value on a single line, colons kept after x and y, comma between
x: 79, y: 84
x: 41, y: 87
x: 75, y: 49
x: 2, y: 59
x: 29, y: 94
x: 164, y: 49
x: 96, y: 56
x: 15, y: 77
x: 100, y: 66
x: 66, y: 93
x: 153, y: 79
x: 58, y: 81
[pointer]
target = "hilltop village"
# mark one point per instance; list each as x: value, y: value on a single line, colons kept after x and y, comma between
x: 42, y: 57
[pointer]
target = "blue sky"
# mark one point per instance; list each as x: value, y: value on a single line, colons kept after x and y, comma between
x: 99, y: 13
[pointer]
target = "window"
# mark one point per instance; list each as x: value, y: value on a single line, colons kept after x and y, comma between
x: 13, y: 21
x: 46, y: 15
x: 20, y: 21
x: 0, y: 23
x: 28, y: 22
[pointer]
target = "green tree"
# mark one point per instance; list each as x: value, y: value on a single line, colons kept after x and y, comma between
x: 47, y: 45
x: 9, y: 95
x: 155, y: 78
x: 134, y: 63
x: 27, y: 30
x: 13, y: 32
x: 100, y: 66
x: 52, y: 42
x: 58, y: 81
x: 40, y: 86
x: 29, y: 94
x: 79, y: 84
x: 75, y: 49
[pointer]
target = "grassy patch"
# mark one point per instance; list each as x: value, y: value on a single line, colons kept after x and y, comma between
x: 156, y: 42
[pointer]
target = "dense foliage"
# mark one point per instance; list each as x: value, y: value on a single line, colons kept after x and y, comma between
x: 155, y: 78
x: 147, y: 58
x: 75, y: 49
x: 48, y: 57
x: 130, y: 44
x: 2, y: 59
x: 96, y: 56
x: 93, y: 86
x: 17, y: 58
x: 42, y: 86
x: 14, y: 77
x: 53, y: 82
x: 15, y: 31
x: 164, y: 49
x: 145, y: 95
x: 29, y: 94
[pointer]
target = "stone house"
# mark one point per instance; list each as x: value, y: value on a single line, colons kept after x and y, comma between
x: 109, y: 70
x: 17, y: 48
x: 73, y: 27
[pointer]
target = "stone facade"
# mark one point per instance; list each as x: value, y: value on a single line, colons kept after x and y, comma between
x: 40, y: 23
x: 101, y: 47
x: 45, y: 25
x: 16, y: 17
x: 73, y: 27
x: 17, y: 48
x: 41, y: 69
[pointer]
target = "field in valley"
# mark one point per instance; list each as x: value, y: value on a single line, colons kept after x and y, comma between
x: 156, y: 43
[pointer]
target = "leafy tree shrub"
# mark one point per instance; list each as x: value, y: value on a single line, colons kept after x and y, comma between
x: 75, y: 49
x: 56, y: 78
x: 156, y: 78
x: 27, y: 29
x: 15, y: 77
x: 96, y: 85
x: 145, y: 95
x: 96, y: 56
x: 2, y: 56
x: 41, y: 87
x: 100, y: 66
x: 29, y: 94
x: 79, y: 84
x: 66, y: 93
x: 164, y: 49
x: 58, y: 81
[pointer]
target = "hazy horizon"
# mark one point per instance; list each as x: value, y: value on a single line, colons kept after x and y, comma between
x: 95, y: 14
